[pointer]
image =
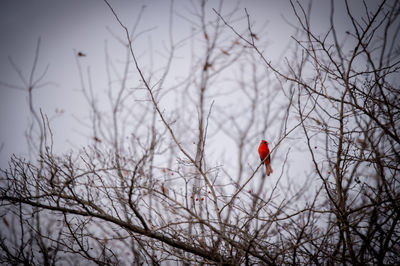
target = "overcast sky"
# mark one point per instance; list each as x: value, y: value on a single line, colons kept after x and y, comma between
x: 82, y: 25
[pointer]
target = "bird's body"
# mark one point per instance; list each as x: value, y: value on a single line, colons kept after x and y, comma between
x: 265, y: 156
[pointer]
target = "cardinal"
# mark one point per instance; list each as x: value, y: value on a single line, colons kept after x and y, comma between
x: 264, y: 153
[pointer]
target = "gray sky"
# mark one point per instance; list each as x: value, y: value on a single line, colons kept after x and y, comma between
x: 82, y: 25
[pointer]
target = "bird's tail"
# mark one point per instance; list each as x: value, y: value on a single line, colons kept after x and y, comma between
x: 268, y: 169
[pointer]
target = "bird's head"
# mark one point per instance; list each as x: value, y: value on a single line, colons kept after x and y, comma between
x: 264, y: 142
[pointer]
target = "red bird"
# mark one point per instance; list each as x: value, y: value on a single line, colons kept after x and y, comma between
x: 264, y: 153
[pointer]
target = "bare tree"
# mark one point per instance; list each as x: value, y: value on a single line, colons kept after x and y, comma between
x: 171, y: 173
x: 346, y: 99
